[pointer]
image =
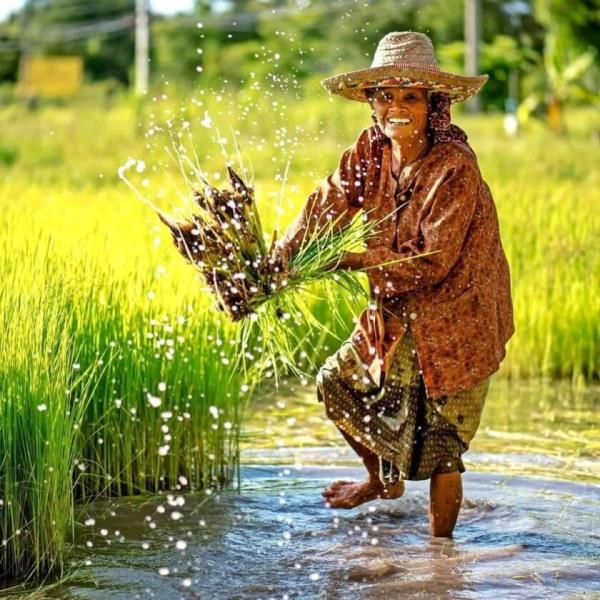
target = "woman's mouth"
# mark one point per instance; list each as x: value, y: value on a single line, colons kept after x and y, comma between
x: 398, y: 121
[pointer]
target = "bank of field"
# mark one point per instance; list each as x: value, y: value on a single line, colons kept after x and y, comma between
x: 115, y: 372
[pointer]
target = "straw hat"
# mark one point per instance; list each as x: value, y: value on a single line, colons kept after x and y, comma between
x: 404, y: 58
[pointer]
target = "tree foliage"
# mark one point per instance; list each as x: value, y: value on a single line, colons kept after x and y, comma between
x: 551, y: 44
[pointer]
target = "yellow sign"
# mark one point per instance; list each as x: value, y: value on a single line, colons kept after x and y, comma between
x: 50, y: 76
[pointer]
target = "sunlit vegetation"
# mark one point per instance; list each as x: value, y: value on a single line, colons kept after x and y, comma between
x: 115, y: 376
x: 115, y: 369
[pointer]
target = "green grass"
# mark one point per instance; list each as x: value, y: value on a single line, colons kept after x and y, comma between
x: 98, y: 310
x: 88, y: 335
x: 40, y: 428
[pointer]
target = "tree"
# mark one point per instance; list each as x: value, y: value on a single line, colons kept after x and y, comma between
x: 100, y: 32
x: 572, y: 36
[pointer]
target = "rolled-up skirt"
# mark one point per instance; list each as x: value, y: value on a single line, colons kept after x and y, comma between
x: 414, y: 436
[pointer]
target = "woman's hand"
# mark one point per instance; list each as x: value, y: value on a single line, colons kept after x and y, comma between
x: 276, y: 262
x: 351, y: 261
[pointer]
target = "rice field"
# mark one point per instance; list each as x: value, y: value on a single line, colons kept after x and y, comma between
x: 115, y: 369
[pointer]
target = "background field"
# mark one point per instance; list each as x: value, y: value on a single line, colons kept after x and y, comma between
x: 97, y: 304
x: 116, y: 372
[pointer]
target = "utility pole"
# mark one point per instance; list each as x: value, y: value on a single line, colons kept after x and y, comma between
x: 141, y: 47
x: 472, y: 36
x: 24, y: 41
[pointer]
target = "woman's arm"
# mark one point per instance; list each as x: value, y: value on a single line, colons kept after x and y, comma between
x: 339, y: 197
x: 443, y: 229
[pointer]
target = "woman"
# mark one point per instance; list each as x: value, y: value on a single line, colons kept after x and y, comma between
x: 407, y: 389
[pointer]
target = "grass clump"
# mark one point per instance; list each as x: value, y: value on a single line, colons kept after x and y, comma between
x: 113, y: 380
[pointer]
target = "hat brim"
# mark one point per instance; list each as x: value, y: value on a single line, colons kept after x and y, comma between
x: 352, y: 85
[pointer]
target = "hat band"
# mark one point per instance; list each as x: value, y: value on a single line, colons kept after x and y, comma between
x: 394, y: 81
x: 400, y: 65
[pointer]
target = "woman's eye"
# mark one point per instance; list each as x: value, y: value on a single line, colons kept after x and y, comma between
x: 383, y: 97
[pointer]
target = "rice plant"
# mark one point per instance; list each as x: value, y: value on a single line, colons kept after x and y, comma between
x: 94, y: 301
x: 102, y: 393
x: 42, y: 409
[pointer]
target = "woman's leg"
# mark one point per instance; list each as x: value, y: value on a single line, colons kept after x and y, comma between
x: 445, y: 498
x: 348, y: 494
x: 370, y: 459
x: 451, y: 424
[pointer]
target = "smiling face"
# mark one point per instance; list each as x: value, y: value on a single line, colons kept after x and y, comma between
x: 401, y: 112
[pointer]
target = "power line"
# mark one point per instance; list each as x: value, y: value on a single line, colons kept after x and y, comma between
x: 81, y: 10
x: 71, y: 8
x: 71, y: 33
x: 246, y: 21
x: 241, y: 22
x: 68, y: 33
x: 51, y: 7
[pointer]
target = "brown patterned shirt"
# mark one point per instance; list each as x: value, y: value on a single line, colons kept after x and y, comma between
x: 456, y: 299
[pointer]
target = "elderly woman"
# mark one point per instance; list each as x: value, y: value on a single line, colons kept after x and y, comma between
x: 407, y: 389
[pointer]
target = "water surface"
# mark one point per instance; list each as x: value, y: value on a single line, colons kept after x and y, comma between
x: 529, y: 526
x: 547, y: 429
x: 518, y: 537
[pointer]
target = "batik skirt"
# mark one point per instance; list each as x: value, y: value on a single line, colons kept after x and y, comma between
x: 414, y: 436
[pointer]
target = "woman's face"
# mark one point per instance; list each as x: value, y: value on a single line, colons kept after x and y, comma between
x: 401, y: 112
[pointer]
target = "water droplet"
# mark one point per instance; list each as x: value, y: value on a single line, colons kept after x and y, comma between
x: 153, y: 401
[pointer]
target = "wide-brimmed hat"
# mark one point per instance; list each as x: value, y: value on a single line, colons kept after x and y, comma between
x: 404, y: 58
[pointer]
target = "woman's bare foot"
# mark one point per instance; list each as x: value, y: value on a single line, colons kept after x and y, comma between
x: 348, y: 494
x: 328, y: 491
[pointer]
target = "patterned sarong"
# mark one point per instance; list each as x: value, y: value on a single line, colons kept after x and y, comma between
x: 414, y: 436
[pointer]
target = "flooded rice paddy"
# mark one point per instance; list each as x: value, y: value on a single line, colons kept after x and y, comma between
x: 529, y: 527
x: 518, y: 537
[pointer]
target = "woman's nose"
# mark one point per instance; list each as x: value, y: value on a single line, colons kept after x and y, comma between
x: 399, y: 103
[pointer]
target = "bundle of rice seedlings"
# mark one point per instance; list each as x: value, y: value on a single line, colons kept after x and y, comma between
x: 225, y: 241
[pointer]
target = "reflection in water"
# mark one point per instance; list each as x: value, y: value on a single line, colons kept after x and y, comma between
x: 527, y: 428
x: 517, y: 537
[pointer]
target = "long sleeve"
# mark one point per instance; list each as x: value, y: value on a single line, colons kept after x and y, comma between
x: 445, y: 220
x: 339, y: 196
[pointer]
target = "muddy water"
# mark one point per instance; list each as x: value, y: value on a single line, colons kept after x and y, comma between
x: 518, y: 537
x: 529, y: 527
